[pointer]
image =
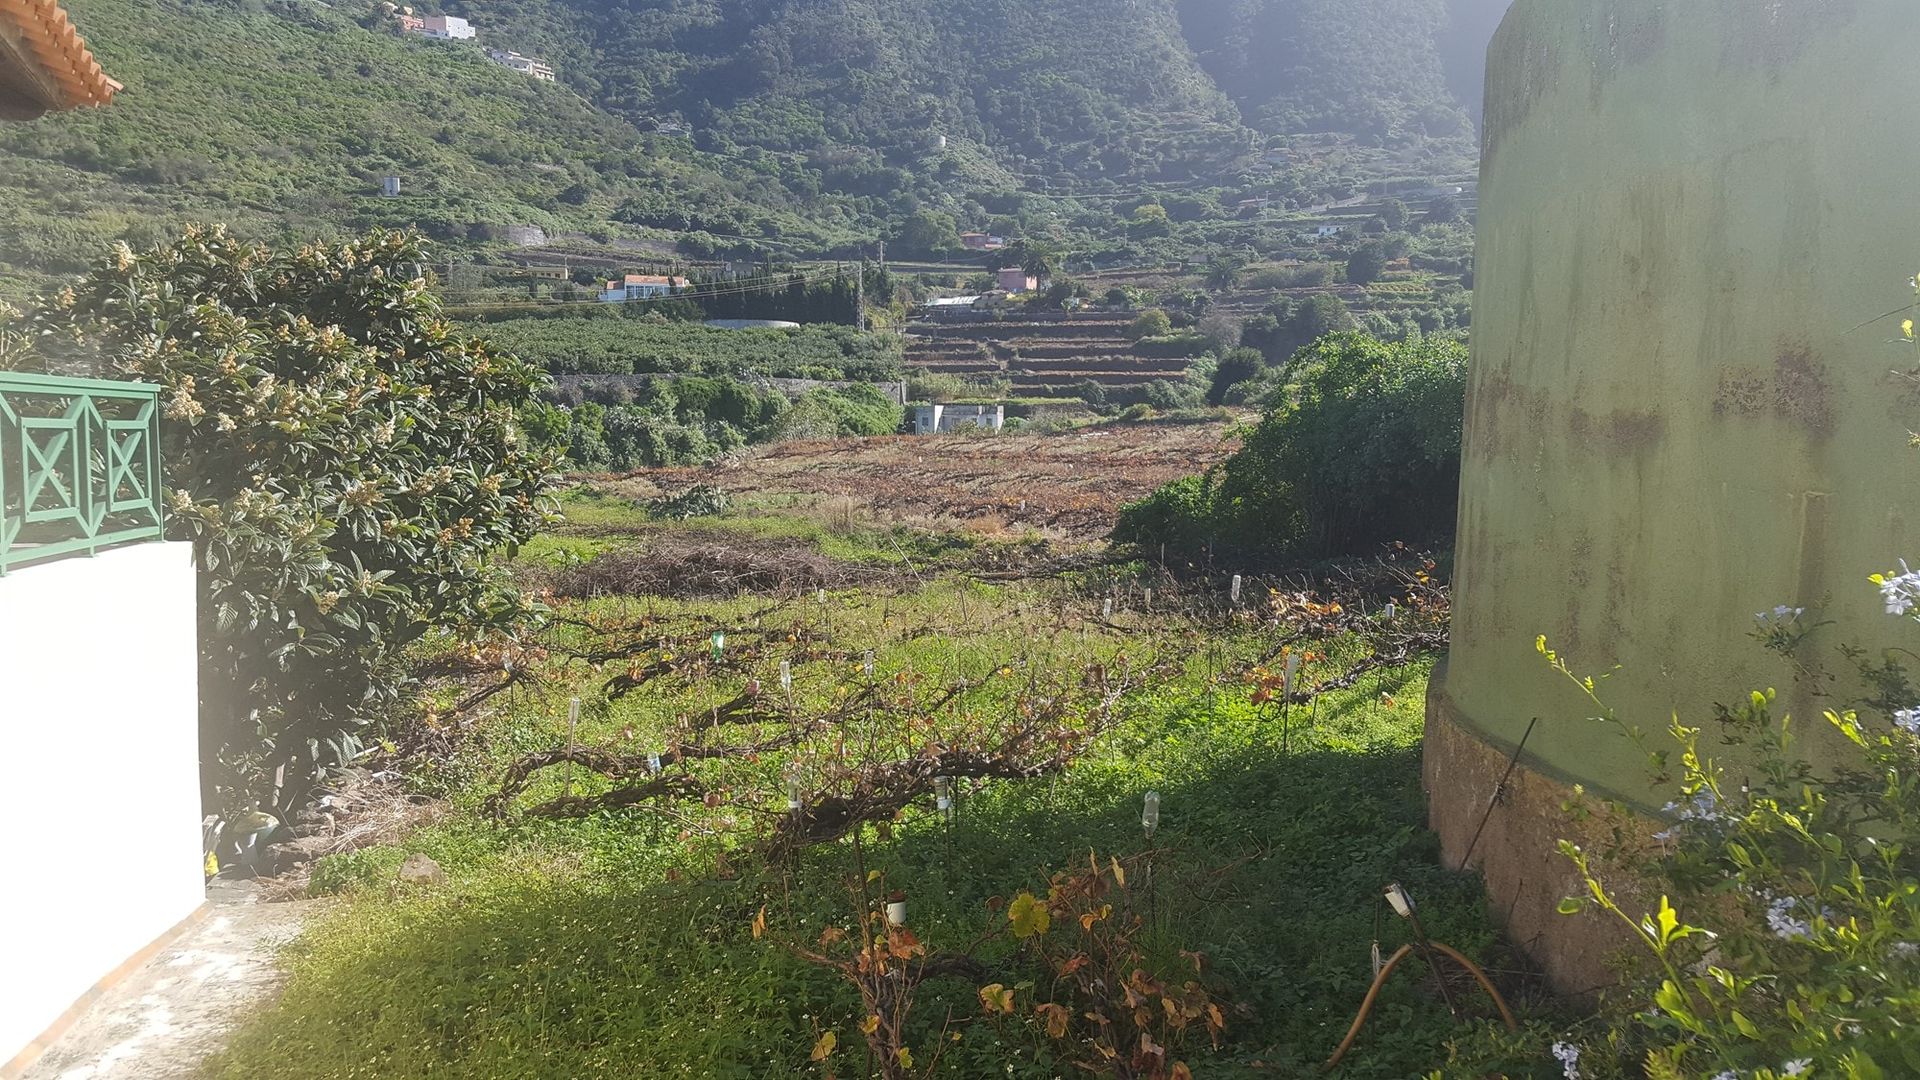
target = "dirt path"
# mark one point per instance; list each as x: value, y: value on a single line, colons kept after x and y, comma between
x: 168, y: 1017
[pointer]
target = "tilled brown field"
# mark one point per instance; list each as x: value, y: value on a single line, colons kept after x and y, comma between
x: 1070, y: 485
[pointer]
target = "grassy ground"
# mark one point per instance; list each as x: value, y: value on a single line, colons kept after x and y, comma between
x: 623, y: 943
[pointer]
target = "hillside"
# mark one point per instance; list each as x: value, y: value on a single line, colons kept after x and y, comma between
x: 858, y: 88
x: 1364, y: 67
x: 281, y: 118
x: 694, y: 128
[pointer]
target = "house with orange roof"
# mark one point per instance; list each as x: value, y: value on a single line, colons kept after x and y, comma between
x: 44, y: 63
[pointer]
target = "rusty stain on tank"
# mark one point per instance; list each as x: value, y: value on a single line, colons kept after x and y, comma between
x: 1622, y: 430
x: 1741, y: 393
x: 1802, y: 393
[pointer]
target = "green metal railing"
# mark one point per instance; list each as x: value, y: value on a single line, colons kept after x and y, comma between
x: 79, y: 466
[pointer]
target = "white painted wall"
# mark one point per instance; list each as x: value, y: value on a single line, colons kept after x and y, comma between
x: 99, y: 773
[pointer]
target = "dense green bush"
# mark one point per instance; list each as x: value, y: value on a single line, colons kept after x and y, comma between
x: 827, y: 413
x: 345, y: 464
x: 1287, y: 326
x: 1364, y: 449
x: 1150, y: 323
x: 1789, y: 942
x: 1305, y: 276
x: 1235, y: 368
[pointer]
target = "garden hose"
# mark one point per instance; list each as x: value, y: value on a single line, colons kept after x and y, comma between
x: 1379, y: 980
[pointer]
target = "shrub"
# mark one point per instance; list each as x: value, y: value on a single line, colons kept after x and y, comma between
x: 1287, y: 326
x: 1367, y: 263
x: 1176, y: 515
x: 1150, y: 323
x: 699, y: 500
x: 1807, y: 881
x: 1237, y: 367
x: 1305, y: 276
x: 1366, y: 451
x: 935, y: 387
x: 344, y: 463
x: 828, y: 413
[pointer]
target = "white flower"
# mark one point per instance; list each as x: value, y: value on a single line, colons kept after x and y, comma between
x: 1907, y: 720
x: 1900, y: 591
x: 1727, y: 1074
x: 1569, y: 1057
x: 1796, y: 1067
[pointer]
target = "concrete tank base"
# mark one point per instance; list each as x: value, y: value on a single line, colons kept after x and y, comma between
x: 1518, y: 854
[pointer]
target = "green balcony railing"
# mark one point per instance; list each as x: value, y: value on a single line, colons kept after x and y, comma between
x: 79, y: 466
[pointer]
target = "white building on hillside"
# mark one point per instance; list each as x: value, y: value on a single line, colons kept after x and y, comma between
x: 937, y: 419
x: 447, y: 28
x: 526, y: 65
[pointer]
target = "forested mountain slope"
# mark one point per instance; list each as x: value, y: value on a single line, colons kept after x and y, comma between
x: 1365, y: 67
x: 808, y: 127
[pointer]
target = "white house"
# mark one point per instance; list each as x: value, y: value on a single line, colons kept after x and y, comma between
x: 936, y: 419
x: 447, y: 28
x: 531, y: 66
x: 641, y: 287
x: 99, y: 669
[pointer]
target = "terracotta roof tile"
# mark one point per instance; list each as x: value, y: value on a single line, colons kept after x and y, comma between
x: 37, y: 33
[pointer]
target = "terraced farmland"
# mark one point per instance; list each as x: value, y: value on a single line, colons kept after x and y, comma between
x: 1040, y: 353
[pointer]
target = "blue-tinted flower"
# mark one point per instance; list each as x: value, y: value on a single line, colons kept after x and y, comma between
x: 1908, y: 720
x: 1900, y: 591
x: 1784, y: 923
x: 1569, y: 1057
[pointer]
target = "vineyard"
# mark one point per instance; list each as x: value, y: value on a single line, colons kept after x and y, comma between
x: 822, y: 776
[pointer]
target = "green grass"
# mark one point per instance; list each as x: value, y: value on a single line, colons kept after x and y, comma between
x: 597, y: 521
x: 614, y: 945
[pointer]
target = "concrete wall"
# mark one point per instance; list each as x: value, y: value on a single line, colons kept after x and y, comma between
x: 99, y: 775
x: 1675, y: 419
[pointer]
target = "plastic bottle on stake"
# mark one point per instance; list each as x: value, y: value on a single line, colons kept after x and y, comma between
x: 1150, y: 813
x: 1234, y: 591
